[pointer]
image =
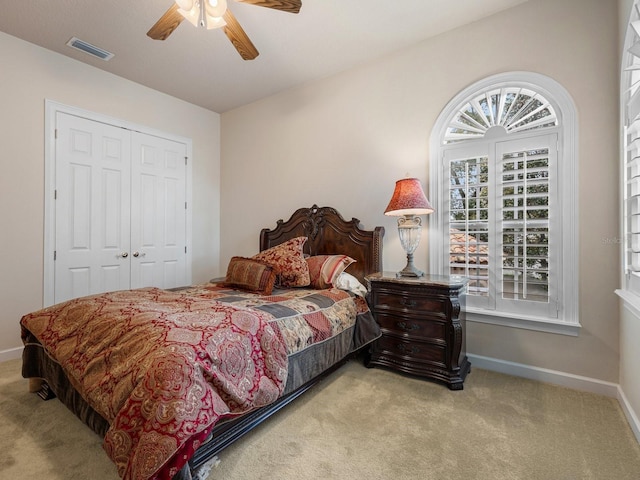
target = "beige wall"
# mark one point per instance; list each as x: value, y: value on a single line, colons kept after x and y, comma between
x: 344, y: 140
x: 28, y: 76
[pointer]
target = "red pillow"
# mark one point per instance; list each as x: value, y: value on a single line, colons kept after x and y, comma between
x: 288, y: 259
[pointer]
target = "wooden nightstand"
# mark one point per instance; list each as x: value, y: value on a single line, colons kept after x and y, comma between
x: 423, y: 331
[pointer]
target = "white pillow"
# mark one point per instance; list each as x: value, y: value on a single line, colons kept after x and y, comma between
x: 348, y: 282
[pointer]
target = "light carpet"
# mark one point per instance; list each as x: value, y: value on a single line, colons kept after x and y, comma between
x: 365, y: 423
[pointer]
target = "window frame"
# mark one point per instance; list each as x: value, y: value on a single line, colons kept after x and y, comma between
x: 629, y: 155
x: 567, y: 321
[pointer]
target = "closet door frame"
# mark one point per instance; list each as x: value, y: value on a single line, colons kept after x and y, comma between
x: 52, y: 108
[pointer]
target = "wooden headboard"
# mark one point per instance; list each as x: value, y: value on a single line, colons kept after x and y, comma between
x: 330, y: 234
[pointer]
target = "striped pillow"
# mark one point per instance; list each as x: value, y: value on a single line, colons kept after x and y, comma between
x: 325, y: 269
x: 251, y: 275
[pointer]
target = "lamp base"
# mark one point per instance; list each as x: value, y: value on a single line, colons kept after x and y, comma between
x: 410, y: 270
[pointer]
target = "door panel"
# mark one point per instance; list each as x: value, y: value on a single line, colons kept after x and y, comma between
x: 91, y: 208
x: 120, y: 217
x: 158, y: 222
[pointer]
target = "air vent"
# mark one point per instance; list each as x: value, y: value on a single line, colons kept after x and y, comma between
x: 90, y: 49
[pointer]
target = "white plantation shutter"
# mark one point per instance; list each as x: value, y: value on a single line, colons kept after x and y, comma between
x: 633, y: 198
x: 501, y: 229
x: 631, y: 161
x: 469, y: 227
x: 512, y: 108
x: 506, y: 199
x: 526, y: 228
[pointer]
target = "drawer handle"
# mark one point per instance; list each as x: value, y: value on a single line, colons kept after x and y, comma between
x: 407, y: 302
x: 408, y: 327
x: 404, y: 348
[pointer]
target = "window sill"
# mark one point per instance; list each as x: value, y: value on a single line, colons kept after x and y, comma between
x: 631, y: 300
x: 522, y: 321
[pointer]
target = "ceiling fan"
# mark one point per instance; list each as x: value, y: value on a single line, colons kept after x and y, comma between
x: 215, y: 14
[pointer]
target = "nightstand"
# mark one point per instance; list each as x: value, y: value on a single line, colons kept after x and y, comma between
x: 423, y: 330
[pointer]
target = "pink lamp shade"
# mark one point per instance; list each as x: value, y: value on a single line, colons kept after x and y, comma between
x: 408, y: 199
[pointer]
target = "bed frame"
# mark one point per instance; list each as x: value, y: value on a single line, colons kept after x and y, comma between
x: 328, y: 233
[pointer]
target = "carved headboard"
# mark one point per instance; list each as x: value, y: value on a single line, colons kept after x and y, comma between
x: 330, y: 234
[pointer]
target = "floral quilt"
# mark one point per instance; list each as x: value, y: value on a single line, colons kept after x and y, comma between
x: 163, y: 367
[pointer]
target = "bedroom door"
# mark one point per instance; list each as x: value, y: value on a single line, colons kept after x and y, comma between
x: 92, y: 208
x: 158, y: 212
x: 120, y: 209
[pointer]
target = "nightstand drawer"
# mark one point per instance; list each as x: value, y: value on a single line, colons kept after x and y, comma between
x: 404, y: 302
x: 411, y: 327
x: 416, y: 351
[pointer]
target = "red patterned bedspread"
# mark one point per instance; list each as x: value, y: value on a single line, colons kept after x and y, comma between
x: 163, y: 367
x: 300, y: 317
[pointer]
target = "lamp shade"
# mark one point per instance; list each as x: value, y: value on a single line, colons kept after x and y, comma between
x: 408, y: 199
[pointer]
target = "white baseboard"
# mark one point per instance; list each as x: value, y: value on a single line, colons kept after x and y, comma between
x: 563, y: 379
x: 11, y: 354
x: 554, y: 377
x: 632, y: 418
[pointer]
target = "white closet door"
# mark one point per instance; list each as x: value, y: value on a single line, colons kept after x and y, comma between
x: 158, y: 212
x: 92, y: 208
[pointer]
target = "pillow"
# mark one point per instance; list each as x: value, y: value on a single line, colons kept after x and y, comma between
x: 251, y: 275
x: 350, y: 283
x: 324, y: 269
x: 288, y: 259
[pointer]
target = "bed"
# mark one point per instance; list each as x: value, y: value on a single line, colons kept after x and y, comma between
x: 223, y: 356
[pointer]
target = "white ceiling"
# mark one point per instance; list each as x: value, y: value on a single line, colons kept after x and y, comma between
x: 202, y: 67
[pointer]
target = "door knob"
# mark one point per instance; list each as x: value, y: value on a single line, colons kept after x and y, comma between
x: 138, y: 254
x: 123, y: 255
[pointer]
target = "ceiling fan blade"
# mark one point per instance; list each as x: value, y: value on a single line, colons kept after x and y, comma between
x: 167, y: 23
x: 291, y: 6
x: 238, y: 37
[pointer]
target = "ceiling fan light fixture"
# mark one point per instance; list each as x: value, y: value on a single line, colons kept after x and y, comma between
x: 215, y: 8
x: 193, y: 19
x: 205, y: 13
x: 215, y: 22
x: 215, y: 14
x: 186, y: 5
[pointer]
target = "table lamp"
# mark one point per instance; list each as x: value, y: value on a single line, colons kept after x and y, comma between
x: 407, y: 203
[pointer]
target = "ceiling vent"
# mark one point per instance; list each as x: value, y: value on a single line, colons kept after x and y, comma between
x: 90, y: 49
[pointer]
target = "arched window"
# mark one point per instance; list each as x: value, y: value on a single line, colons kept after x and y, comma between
x: 503, y: 110
x: 504, y: 178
